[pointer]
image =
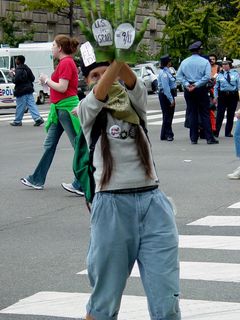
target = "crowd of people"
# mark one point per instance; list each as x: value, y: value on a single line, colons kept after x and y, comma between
x: 209, y: 90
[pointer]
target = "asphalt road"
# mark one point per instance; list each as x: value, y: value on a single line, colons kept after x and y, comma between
x: 44, y: 234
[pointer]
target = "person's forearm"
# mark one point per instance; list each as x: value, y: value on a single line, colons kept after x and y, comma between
x: 110, y: 75
x: 59, y: 87
x: 128, y: 76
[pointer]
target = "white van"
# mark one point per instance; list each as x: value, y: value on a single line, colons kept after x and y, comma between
x: 39, y: 59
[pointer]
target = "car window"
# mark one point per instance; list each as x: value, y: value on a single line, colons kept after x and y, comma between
x: 145, y: 73
x: 2, y: 79
x: 8, y: 76
x: 137, y: 71
x: 4, y: 62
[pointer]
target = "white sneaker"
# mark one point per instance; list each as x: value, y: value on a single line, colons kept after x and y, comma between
x: 69, y: 187
x: 29, y: 184
x: 235, y: 175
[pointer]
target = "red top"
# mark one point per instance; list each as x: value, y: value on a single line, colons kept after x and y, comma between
x: 67, y: 70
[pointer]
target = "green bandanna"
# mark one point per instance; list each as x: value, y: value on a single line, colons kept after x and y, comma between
x: 67, y: 104
x: 120, y: 105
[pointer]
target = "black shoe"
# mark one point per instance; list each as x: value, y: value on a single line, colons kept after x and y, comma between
x: 170, y: 138
x: 193, y: 142
x: 38, y: 122
x: 229, y: 135
x: 16, y: 124
x: 212, y: 141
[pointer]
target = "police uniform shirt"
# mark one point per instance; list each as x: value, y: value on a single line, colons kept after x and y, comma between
x: 225, y: 85
x: 166, y: 82
x: 194, y: 70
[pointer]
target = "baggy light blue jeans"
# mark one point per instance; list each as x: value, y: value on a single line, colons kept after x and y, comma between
x: 133, y: 227
x: 24, y: 101
x: 54, y: 133
x: 237, y: 138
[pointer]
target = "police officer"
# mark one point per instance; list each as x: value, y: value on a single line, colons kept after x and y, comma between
x: 226, y: 95
x: 167, y: 93
x: 194, y: 73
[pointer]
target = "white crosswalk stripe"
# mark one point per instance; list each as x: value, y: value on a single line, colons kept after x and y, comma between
x: 71, y: 305
x: 205, y: 271
x: 154, y: 117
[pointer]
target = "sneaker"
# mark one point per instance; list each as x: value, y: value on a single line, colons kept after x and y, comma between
x: 38, y: 122
x: 235, y: 175
x: 29, y: 184
x: 69, y: 187
x: 16, y: 124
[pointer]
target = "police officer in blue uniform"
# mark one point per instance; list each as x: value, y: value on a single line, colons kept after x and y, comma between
x: 167, y: 92
x: 226, y: 95
x: 194, y: 73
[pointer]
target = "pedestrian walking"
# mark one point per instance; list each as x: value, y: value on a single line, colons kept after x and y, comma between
x: 226, y: 96
x: 236, y: 173
x: 23, y: 90
x: 131, y: 219
x: 194, y: 73
x: 63, y: 95
x: 167, y: 91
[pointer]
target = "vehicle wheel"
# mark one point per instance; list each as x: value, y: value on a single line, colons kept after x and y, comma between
x: 41, y: 98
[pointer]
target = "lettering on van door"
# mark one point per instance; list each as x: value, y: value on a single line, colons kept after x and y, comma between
x: 6, y: 92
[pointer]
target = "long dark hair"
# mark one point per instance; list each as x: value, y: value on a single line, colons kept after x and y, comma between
x: 108, y: 162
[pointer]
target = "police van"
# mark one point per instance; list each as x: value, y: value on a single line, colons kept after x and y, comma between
x: 7, y: 98
x: 38, y: 56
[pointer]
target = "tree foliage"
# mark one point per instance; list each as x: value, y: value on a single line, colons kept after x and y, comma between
x: 11, y: 28
x: 187, y: 21
x: 215, y: 22
x: 231, y: 34
x: 64, y: 8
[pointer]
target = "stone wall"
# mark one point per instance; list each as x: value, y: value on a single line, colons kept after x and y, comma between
x: 47, y: 24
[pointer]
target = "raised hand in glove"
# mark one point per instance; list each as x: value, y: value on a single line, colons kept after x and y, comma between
x: 126, y: 39
x: 99, y: 31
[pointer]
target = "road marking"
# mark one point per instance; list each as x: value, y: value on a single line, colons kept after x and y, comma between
x: 159, y: 115
x: 153, y: 111
x: 205, y: 271
x: 25, y: 117
x: 217, y: 221
x: 209, y: 242
x: 150, y: 116
x: 158, y: 123
x: 72, y: 305
x: 235, y: 206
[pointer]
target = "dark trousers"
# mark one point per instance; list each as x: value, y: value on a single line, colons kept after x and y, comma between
x: 167, y: 113
x: 198, y: 105
x: 226, y: 101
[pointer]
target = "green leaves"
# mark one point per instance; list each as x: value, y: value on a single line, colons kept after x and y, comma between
x: 187, y: 21
x: 231, y: 35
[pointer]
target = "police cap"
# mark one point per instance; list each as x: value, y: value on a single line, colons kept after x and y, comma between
x: 195, y: 46
x: 227, y: 60
x: 165, y: 59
